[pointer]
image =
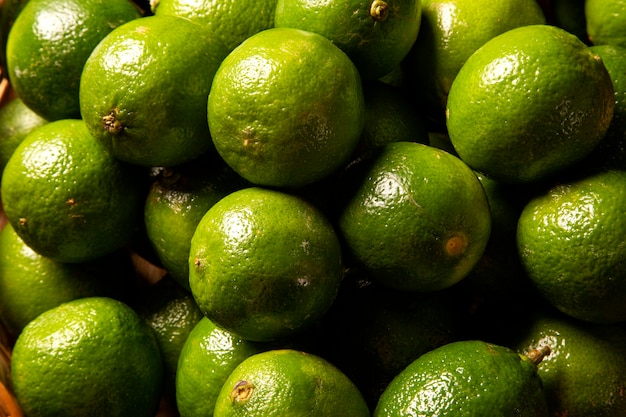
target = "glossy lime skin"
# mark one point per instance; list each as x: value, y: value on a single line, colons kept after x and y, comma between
x: 288, y: 382
x: 148, y: 111
x: 580, y: 269
x: 67, y: 197
x: 466, y: 378
x: 89, y: 357
x: 585, y: 371
x: 528, y: 104
x: 286, y: 108
x: 264, y: 264
x: 207, y: 358
x: 415, y: 217
x: 50, y: 42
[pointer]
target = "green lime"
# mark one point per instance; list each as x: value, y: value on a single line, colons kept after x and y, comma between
x: 605, y: 21
x: 231, y: 21
x: 207, y: 358
x: 451, y: 31
x: 31, y: 284
x: 466, y: 378
x: 16, y: 121
x: 67, y: 197
x: 571, y: 242
x: 264, y: 264
x: 288, y: 382
x: 529, y: 103
x: 584, y: 375
x: 177, y: 200
x: 48, y: 45
x: 91, y: 357
x: 611, y: 152
x: 376, y: 35
x: 286, y: 108
x: 150, y: 111
x: 171, y: 312
x: 415, y: 217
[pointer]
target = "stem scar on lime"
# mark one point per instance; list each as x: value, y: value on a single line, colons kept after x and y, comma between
x: 242, y: 391
x: 111, y: 123
x: 456, y: 245
x: 536, y: 355
x: 379, y: 10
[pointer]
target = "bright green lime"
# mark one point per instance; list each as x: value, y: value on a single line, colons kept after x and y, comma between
x: 286, y: 108
x: 48, y: 45
x: 91, y: 357
x: 463, y: 379
x: 529, y: 103
x: 207, y: 358
x: 415, y: 217
x: 31, y: 284
x: 264, y: 264
x: 150, y: 111
x: 288, y: 382
x: 177, y: 200
x: 570, y: 240
x: 67, y: 197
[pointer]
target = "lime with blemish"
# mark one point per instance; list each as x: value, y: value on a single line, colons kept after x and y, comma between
x: 416, y: 217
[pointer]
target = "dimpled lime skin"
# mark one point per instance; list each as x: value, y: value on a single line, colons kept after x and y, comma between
x: 417, y: 218
x: 376, y: 43
x: 530, y: 102
x: 289, y: 382
x: 208, y: 356
x: 48, y: 45
x: 605, y: 22
x: 91, y: 357
x: 571, y: 243
x: 149, y: 111
x: 463, y: 379
x: 264, y: 264
x: 67, y: 197
x: 286, y: 108
x: 585, y: 373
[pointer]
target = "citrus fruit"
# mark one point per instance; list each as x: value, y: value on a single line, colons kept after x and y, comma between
x: 415, y: 217
x: 171, y: 312
x: 31, y: 284
x: 231, y: 21
x: 16, y: 121
x: 451, y: 30
x: 570, y: 241
x: 286, y: 108
x: 264, y: 264
x: 67, y: 197
x: 92, y: 356
x: 149, y: 111
x: 372, y: 333
x: 605, y: 21
x: 584, y: 373
x: 611, y: 152
x: 207, y: 357
x: 177, y: 200
x: 390, y: 116
x: 288, y: 382
x: 376, y: 35
x: 529, y: 103
x: 48, y: 45
x: 466, y: 378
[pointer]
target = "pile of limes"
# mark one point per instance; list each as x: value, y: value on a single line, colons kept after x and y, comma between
x: 301, y: 208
